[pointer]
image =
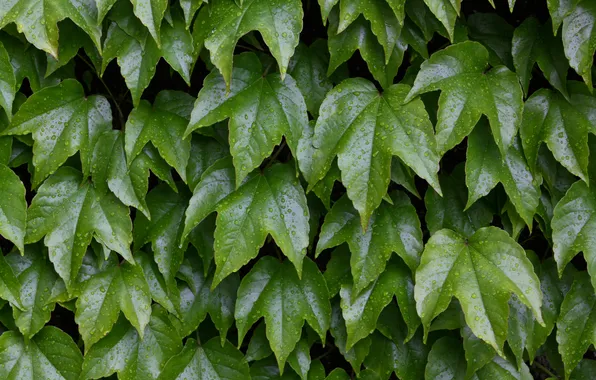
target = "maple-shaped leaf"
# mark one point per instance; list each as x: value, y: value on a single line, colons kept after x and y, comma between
x: 261, y: 109
x: 364, y: 129
x: 550, y: 118
x: 486, y: 167
x: 13, y: 208
x: 481, y: 271
x: 129, y: 184
x: 51, y: 354
x: 62, y: 122
x: 274, y: 291
x: 393, y: 228
x: 535, y: 44
x: 558, y: 10
x: 177, y: 45
x: 579, y: 38
x: 40, y: 289
x: 151, y: 12
x: 163, y: 125
x: 206, y: 361
x: 220, y: 26
x: 468, y: 92
x: 131, y: 355
x: 104, y: 295
x: 38, y: 20
x: 272, y: 202
x: 446, y: 11
x: 69, y: 212
x: 190, y: 8
x: 574, y: 227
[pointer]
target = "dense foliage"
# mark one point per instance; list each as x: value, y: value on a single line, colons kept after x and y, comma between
x: 287, y: 189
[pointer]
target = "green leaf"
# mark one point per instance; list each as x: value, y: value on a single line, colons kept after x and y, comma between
x: 131, y: 355
x: 258, y: 347
x: 159, y: 289
x: 190, y: 8
x: 39, y: 288
x: 393, y: 228
x: 579, y: 38
x: 51, y: 354
x: 364, y: 130
x: 274, y: 291
x: 549, y: 117
x: 495, y: 34
x: 484, y: 171
x: 38, y: 20
x: 468, y: 93
x: 69, y: 213
x: 308, y: 67
x: 10, y: 286
x: 62, y: 121
x: 477, y: 352
x: 575, y: 327
x: 574, y: 226
x: 446, y: 360
x: 197, y: 299
x: 481, y: 272
x: 355, y: 355
x: 204, y: 152
x: 559, y: 9
x: 584, y: 370
x: 137, y: 58
x: 223, y: 23
x: 146, y: 124
x: 300, y: 360
x: 535, y: 44
x: 151, y: 12
x: 105, y: 294
x: 207, y: 361
x: 388, y: 352
x: 445, y: 13
x: 13, y: 208
x: 177, y: 45
x: 269, y: 203
x: 8, y: 82
x: 261, y: 109
x: 164, y: 230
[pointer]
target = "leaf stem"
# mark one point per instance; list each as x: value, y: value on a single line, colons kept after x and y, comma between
x: 545, y: 370
x: 276, y: 154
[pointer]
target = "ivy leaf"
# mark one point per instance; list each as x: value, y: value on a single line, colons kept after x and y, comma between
x: 223, y: 23
x: 164, y: 230
x: 308, y: 67
x: 559, y: 9
x: 483, y: 172
x: 576, y: 328
x: 579, y: 38
x: 197, y: 299
x: 493, y: 266
x: 361, y: 311
x: 151, y: 12
x: 204, y: 152
x: 190, y: 8
x: 38, y: 291
x: 495, y: 34
x: 300, y: 360
x: 131, y: 355
x: 258, y: 347
x: 13, y: 208
x: 478, y: 353
x: 38, y: 20
x: 446, y: 360
x: 62, y: 121
x: 535, y: 44
x: 445, y: 12
x: 159, y: 289
x: 261, y: 108
x: 137, y: 58
x: 269, y: 203
x: 177, y: 45
x: 69, y: 214
x: 10, y: 286
x: 206, y: 361
x: 574, y: 225
x: 8, y: 82
x: 147, y: 124
x: 364, y: 129
x: 51, y: 354
x: 274, y: 291
x: 468, y: 93
x: 393, y: 228
x: 355, y: 355
x: 105, y: 294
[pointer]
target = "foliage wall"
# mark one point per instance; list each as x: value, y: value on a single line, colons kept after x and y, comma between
x: 286, y: 189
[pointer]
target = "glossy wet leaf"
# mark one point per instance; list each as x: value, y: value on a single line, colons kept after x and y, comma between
x: 481, y: 271
x: 579, y: 38
x: 13, y: 207
x: 151, y: 12
x: 274, y: 291
x: 355, y: 355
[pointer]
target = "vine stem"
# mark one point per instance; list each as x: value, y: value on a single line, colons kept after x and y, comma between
x: 120, y: 114
x: 277, y: 153
x: 545, y: 370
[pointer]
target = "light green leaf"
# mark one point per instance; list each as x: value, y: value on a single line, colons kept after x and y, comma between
x: 477, y: 352
x: 579, y: 38
x: 223, y: 23
x: 364, y: 130
x: 69, y: 213
x: 300, y: 360
x: 274, y: 291
x: 13, y: 208
x: 269, y: 203
x: 62, y: 121
x: 51, y: 354
x: 177, y: 45
x: 393, y: 228
x: 261, y: 109
x: 559, y: 9
x: 445, y: 13
x: 131, y: 355
x: 38, y: 20
x: 151, y: 12
x: 206, y: 361
x: 190, y: 8
x: 468, y: 93
x: 105, y: 294
x: 481, y: 272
